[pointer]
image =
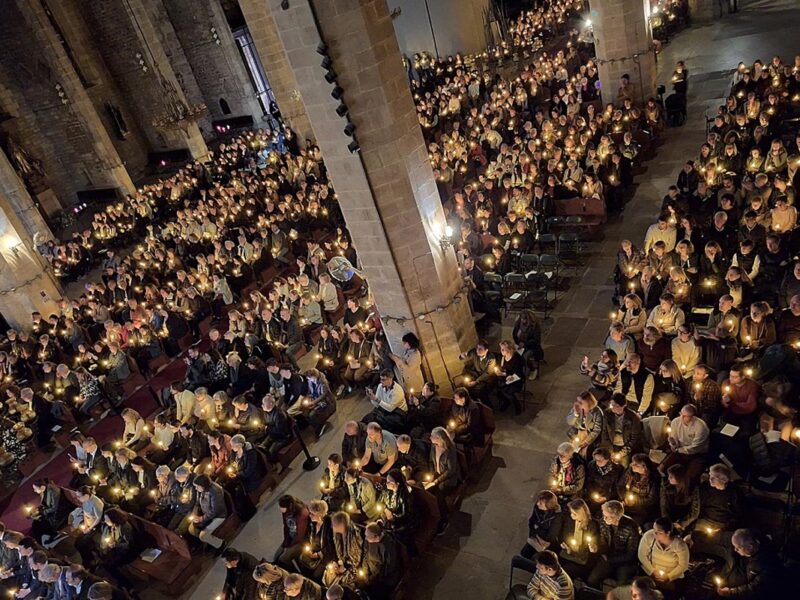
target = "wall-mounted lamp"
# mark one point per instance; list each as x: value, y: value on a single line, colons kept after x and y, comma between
x: 446, y: 241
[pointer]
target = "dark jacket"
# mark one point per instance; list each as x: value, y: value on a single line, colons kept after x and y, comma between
x: 212, y: 505
x: 239, y: 583
x: 631, y: 429
x: 354, y: 446
x: 448, y: 474
x: 250, y: 468
x: 621, y: 542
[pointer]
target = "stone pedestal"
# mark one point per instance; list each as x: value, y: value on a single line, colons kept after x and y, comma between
x: 623, y: 45
x: 25, y: 284
x: 701, y: 11
x: 388, y: 193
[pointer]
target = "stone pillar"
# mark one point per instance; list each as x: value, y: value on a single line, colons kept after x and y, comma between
x: 388, y: 194
x: 20, y: 201
x: 211, y: 50
x: 623, y: 45
x: 137, y: 59
x: 281, y: 77
x: 26, y: 285
x: 701, y: 11
x: 439, y: 27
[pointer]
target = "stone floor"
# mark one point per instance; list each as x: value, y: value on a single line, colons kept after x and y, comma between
x: 471, y: 560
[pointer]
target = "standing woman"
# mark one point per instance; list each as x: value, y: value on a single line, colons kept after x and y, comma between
x: 446, y: 475
x: 408, y: 366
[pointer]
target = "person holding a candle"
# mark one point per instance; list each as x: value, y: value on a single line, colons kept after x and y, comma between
x: 577, y: 539
x: 318, y: 548
x: 753, y: 570
x: 664, y: 556
x: 361, y: 503
x: 380, y: 454
x: 602, y: 476
x: 209, y: 512
x: 634, y: 390
x: 348, y: 550
x: 567, y: 472
x: 380, y: 569
x: 638, y: 489
x: 585, y: 422
x: 617, y: 546
x: 740, y: 396
x: 446, y: 473
x: 239, y: 583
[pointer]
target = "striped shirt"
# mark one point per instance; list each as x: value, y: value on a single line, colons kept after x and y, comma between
x: 544, y: 587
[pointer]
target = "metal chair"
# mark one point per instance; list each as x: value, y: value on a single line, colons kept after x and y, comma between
x: 514, y: 292
x: 518, y: 591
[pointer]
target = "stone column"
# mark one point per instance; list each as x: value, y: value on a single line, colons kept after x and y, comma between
x: 442, y: 27
x: 388, y: 193
x: 137, y: 59
x: 623, y: 45
x: 279, y: 73
x: 26, y: 285
x: 210, y: 49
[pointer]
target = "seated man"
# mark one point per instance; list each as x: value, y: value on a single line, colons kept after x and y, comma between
x: 300, y: 587
x: 720, y: 511
x: 239, y: 583
x: 480, y: 370
x: 413, y: 458
x: 753, y: 570
x: 617, y: 547
x: 602, y: 476
x: 277, y: 426
x: 622, y: 429
x: 209, y: 512
x: 380, y: 454
x: 688, y: 443
x: 635, y: 384
x: 389, y: 400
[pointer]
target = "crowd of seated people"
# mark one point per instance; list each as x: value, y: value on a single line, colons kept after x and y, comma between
x: 243, y: 241
x: 690, y: 412
x: 381, y: 500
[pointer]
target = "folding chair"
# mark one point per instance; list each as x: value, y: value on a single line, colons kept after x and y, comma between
x: 528, y: 263
x: 495, y: 283
x: 514, y: 293
x: 549, y: 265
x: 548, y: 243
x: 569, y: 248
x: 518, y: 591
x: 537, y: 292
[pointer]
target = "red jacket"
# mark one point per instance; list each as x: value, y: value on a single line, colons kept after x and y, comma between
x: 744, y: 398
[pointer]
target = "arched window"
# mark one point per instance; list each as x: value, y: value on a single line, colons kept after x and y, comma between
x: 223, y: 104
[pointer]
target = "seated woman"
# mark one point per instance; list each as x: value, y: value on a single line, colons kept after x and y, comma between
x: 51, y: 515
x: 544, y: 524
x: 380, y: 570
x: 638, y: 489
x: 642, y: 588
x: 348, y: 549
x: 219, y: 446
x: 295, y: 516
x: 603, y: 374
x: 134, y: 436
x: 318, y: 549
x: 679, y: 498
x: 585, y: 422
x: 163, y: 444
x: 602, y: 475
x: 464, y: 420
x: 114, y: 543
x: 670, y: 390
x: 510, y: 377
x: 632, y: 315
x: 446, y: 475
x: 333, y: 489
x: 397, y: 509
x: 664, y: 556
x: 362, y: 500
x: 247, y: 466
x: 567, y: 473
x: 424, y: 411
x: 320, y: 403
x: 577, y: 539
